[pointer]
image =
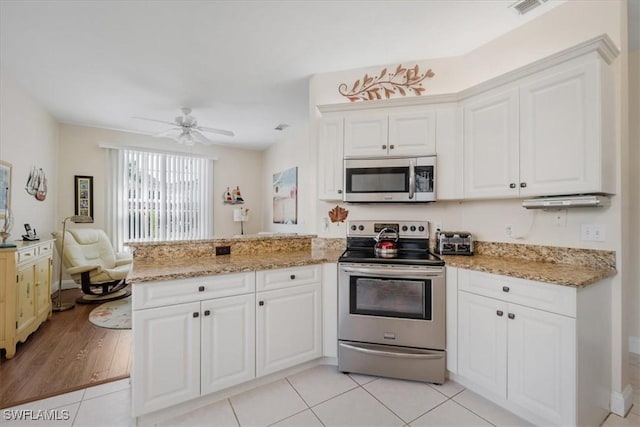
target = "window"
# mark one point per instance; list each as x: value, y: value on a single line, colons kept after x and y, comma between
x: 159, y: 197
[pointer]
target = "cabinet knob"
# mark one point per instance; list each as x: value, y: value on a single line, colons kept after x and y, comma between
x: 260, y: 303
x: 500, y: 313
x: 292, y: 277
x: 512, y: 185
x: 511, y: 316
x: 196, y: 314
x: 384, y: 147
x: 339, y: 191
x: 207, y: 312
x: 200, y: 288
x: 523, y: 184
x: 391, y: 147
x: 505, y: 289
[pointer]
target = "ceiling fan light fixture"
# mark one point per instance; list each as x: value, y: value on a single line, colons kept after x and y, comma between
x: 185, y: 138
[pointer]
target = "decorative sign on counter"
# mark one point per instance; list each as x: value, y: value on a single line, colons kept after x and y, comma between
x: 402, y: 81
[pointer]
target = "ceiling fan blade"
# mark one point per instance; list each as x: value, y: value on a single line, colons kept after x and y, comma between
x: 199, y: 137
x: 154, y: 120
x: 214, y: 130
x: 171, y: 133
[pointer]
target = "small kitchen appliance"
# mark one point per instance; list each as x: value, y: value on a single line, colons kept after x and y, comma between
x: 391, y: 310
x: 454, y: 243
x: 390, y: 179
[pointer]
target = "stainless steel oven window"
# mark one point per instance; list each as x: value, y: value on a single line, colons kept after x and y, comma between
x: 398, y: 298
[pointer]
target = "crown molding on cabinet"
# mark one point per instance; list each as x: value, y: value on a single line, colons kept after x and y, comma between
x: 601, y: 44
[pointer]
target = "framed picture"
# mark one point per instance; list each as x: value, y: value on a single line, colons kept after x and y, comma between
x: 84, y: 195
x: 285, y: 197
x: 5, y: 188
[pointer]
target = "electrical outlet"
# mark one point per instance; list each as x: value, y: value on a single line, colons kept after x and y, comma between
x: 508, y: 230
x: 593, y: 232
x: 223, y: 250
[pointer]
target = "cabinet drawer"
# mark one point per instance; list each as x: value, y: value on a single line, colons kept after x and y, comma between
x: 543, y: 296
x: 283, y: 278
x: 45, y: 249
x: 26, y: 254
x: 157, y: 294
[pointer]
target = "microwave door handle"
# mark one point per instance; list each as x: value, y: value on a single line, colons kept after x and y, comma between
x: 412, y: 178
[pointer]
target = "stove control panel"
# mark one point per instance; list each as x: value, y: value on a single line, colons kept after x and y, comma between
x: 405, y: 229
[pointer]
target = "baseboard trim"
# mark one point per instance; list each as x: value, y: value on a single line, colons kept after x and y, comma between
x: 634, y: 345
x: 621, y: 402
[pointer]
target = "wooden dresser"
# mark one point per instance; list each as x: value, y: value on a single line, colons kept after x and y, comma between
x: 25, y: 291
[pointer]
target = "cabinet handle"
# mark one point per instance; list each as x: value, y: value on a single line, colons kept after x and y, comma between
x: 523, y: 184
x: 505, y: 289
x: 200, y: 288
x: 207, y: 312
x: 339, y: 191
x: 384, y: 147
x: 196, y: 314
x: 511, y: 316
x: 512, y: 185
x: 292, y: 277
x: 500, y: 313
x: 391, y: 147
x: 260, y: 303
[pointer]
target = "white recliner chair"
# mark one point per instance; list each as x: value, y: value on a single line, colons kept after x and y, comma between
x: 90, y: 260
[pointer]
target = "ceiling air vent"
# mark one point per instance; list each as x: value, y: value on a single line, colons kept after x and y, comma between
x: 524, y: 6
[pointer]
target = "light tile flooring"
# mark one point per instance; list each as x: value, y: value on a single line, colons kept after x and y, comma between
x: 319, y: 396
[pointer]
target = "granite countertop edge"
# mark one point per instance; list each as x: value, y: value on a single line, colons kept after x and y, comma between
x: 553, y: 273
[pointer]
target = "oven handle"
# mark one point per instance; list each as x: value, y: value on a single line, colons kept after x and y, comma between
x: 393, y: 273
x: 392, y: 353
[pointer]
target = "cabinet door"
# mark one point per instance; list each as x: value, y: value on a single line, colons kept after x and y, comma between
x: 482, y: 342
x: 228, y: 342
x: 560, y: 133
x: 43, y: 286
x: 491, y: 146
x: 26, y: 302
x: 365, y: 135
x: 288, y: 327
x: 330, y: 154
x: 542, y: 368
x: 412, y: 134
x: 166, y: 346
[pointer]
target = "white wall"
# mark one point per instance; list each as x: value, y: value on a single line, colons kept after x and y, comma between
x: 80, y: 154
x: 28, y: 137
x: 296, y: 148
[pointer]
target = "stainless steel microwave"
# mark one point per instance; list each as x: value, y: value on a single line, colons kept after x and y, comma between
x: 393, y: 179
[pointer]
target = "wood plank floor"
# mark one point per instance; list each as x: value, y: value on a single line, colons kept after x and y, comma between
x: 66, y: 353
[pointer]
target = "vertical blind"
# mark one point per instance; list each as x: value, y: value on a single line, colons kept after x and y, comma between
x: 159, y: 197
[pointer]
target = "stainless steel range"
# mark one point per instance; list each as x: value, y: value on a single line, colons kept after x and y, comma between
x: 391, y: 310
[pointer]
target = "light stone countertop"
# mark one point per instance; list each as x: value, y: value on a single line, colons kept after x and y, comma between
x: 561, y: 274
x: 147, y: 270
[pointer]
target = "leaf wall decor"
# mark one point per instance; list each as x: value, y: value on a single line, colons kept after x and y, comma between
x: 402, y: 81
x: 338, y: 214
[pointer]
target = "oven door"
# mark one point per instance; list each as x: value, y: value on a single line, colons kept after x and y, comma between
x: 392, y: 304
x: 389, y: 180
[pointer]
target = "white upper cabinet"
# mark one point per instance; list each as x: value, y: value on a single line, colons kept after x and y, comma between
x: 490, y: 145
x: 366, y: 134
x: 546, y: 134
x: 408, y: 132
x: 560, y: 135
x: 412, y: 133
x: 330, y: 154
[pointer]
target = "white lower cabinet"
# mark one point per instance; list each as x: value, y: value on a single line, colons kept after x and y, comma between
x: 288, y: 326
x: 536, y: 357
x: 209, y: 339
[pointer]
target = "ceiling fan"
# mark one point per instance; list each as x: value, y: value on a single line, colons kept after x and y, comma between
x: 186, y: 129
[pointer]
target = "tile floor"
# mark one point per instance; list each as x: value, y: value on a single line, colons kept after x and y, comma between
x: 319, y: 396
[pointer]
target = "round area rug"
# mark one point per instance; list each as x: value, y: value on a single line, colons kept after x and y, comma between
x: 112, y: 314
